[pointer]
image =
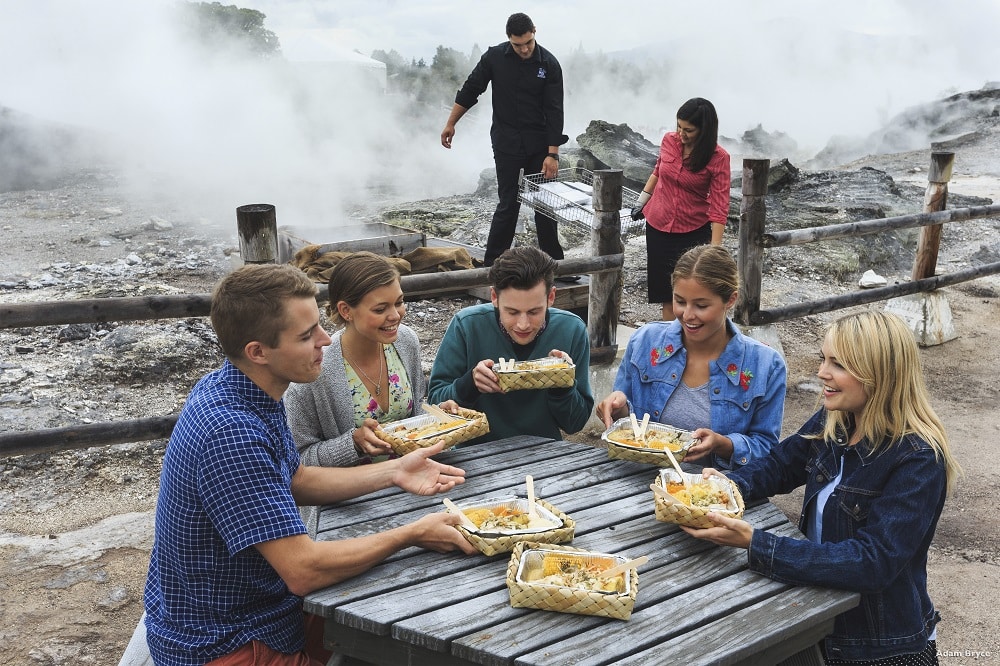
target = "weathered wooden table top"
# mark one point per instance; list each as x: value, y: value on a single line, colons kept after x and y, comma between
x: 697, y: 603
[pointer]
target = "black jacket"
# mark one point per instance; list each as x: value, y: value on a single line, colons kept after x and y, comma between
x: 527, y: 98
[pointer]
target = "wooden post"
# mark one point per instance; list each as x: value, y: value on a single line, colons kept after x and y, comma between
x: 258, y: 230
x: 605, y: 288
x: 935, y: 199
x: 750, y: 255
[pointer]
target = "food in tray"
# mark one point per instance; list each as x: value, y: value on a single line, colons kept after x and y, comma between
x: 430, y: 430
x: 653, y: 439
x: 578, y: 572
x: 506, y: 518
x: 701, y: 494
x: 550, y: 363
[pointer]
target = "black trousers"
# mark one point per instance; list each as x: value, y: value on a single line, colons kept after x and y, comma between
x: 505, y: 217
x: 663, y: 249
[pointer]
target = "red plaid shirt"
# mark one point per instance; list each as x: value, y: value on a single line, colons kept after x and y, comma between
x: 683, y: 201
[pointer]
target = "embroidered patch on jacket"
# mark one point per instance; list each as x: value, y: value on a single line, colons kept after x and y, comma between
x: 659, y: 353
x: 541, y: 72
x: 745, y: 376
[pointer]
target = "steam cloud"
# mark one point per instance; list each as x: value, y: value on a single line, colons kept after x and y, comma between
x: 316, y: 140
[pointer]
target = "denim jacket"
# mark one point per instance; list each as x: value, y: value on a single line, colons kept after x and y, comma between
x: 746, y: 386
x: 877, y: 528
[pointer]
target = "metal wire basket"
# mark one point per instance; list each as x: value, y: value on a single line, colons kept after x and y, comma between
x: 569, y: 197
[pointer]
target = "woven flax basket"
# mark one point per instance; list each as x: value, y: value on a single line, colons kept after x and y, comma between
x: 401, y: 445
x: 668, y: 509
x: 525, y: 594
x: 650, y: 456
x: 543, y: 373
x: 494, y: 545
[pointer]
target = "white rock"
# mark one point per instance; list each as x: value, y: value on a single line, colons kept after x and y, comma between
x: 872, y: 279
x: 159, y: 224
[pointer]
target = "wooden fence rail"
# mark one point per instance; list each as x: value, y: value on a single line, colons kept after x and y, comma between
x: 606, y: 265
x: 754, y: 240
x: 92, y: 310
x: 831, y: 303
x: 50, y: 440
x: 197, y: 305
x: 851, y: 229
x: 257, y: 223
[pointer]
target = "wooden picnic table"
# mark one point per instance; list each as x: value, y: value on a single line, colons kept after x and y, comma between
x: 697, y: 603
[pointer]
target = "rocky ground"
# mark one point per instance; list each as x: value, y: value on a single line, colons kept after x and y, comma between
x: 75, y: 527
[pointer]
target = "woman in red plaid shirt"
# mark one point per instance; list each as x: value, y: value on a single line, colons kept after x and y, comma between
x: 686, y: 199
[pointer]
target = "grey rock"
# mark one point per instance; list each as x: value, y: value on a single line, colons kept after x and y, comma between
x: 117, y: 598
x: 810, y: 386
x: 987, y: 254
x: 75, y: 332
x: 759, y: 143
x: 619, y: 147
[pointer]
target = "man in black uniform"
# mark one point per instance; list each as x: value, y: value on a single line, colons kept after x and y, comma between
x: 527, y: 126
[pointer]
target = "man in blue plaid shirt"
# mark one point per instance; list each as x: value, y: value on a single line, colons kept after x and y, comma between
x: 231, y: 557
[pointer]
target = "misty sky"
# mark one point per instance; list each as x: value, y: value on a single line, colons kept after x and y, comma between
x: 800, y: 66
x: 242, y: 134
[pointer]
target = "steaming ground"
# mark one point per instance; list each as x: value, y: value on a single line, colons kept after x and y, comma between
x: 75, y: 528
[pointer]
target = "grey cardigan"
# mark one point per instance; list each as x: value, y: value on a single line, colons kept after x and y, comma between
x: 321, y: 414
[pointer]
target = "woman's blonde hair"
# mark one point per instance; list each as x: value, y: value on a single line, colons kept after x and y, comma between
x: 879, y: 350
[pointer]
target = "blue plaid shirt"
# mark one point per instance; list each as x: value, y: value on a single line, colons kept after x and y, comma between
x: 225, y: 486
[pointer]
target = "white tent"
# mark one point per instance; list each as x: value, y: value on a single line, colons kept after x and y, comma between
x: 319, y: 57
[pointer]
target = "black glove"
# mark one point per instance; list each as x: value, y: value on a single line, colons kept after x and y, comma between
x: 637, y: 214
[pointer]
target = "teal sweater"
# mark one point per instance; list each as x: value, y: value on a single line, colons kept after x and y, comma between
x: 474, y: 334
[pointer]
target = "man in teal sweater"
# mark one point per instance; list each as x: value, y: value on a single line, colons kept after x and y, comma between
x: 519, y: 324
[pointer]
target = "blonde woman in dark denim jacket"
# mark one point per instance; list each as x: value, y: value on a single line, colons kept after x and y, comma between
x: 876, y: 467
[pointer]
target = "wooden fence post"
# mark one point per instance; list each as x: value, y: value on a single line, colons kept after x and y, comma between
x: 258, y: 231
x: 750, y: 255
x: 935, y: 199
x: 605, y: 288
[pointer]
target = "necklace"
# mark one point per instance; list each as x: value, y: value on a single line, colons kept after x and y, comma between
x: 378, y: 384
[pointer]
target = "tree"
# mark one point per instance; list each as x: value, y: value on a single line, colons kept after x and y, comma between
x: 214, y: 25
x: 394, y: 62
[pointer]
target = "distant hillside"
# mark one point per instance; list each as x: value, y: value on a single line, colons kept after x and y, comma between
x: 40, y: 155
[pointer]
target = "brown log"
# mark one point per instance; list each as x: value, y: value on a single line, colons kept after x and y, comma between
x: 750, y: 257
x: 787, y: 312
x: 92, y: 310
x: 258, y: 231
x: 935, y: 199
x: 50, y: 440
x: 606, y: 287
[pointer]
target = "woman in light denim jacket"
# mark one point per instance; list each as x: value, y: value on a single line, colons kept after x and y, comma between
x: 876, y: 467
x: 732, y: 388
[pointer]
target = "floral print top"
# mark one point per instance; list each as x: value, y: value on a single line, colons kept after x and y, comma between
x: 400, y: 394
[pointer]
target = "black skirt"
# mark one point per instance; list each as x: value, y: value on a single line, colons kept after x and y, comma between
x: 663, y: 249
